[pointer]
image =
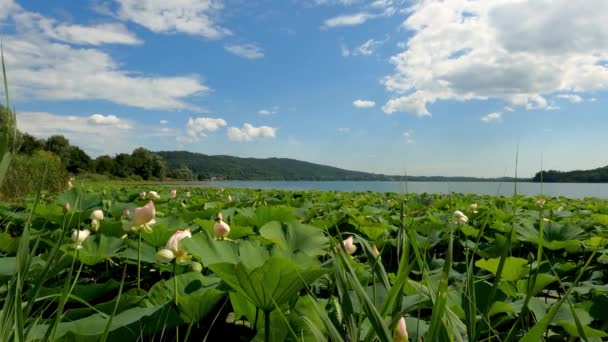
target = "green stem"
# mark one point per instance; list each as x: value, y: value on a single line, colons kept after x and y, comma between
x: 175, y: 295
x: 139, y: 261
x: 267, y: 326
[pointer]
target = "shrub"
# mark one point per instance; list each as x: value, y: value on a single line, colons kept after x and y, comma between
x: 26, y: 174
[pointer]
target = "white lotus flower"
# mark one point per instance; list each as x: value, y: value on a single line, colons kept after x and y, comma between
x: 349, y: 245
x: 142, y: 195
x: 78, y: 236
x: 154, y: 195
x: 460, y: 218
x: 473, y: 208
x: 173, y: 193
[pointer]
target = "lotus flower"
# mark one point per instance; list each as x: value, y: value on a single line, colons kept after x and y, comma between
x: 473, y: 208
x: 541, y: 202
x: 188, y: 194
x: 400, y: 333
x: 349, y: 246
x: 126, y: 213
x: 78, y: 236
x: 96, y: 217
x: 142, y: 195
x: 154, y: 195
x: 221, y: 228
x: 375, y: 251
x: 69, y: 184
x: 142, y: 218
x: 173, y: 249
x: 173, y: 193
x: 460, y: 218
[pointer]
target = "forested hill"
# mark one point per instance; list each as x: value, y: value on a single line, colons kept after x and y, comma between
x: 229, y: 167
x: 599, y: 175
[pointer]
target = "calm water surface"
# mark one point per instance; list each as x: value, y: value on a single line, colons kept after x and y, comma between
x: 571, y: 190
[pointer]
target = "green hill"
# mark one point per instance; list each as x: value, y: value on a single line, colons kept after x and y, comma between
x: 228, y: 167
x: 599, y: 175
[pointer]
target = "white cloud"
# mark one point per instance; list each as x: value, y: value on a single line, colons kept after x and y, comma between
x: 108, y: 120
x: 347, y: 20
x: 250, y: 51
x: 194, y: 17
x: 43, y: 69
x: 82, y: 131
x: 249, y: 132
x: 492, y: 117
x: 409, y: 136
x: 344, y: 51
x: 367, y: 48
x: 343, y: 130
x: 336, y: 2
x: 273, y: 110
x: 364, y: 103
x: 593, y: 99
x: 164, y: 122
x: 470, y: 50
x: 90, y: 35
x: 197, y: 127
x: 571, y: 97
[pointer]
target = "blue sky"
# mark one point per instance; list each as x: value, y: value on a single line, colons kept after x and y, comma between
x: 437, y: 88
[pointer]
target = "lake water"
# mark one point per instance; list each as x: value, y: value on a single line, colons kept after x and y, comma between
x: 571, y: 190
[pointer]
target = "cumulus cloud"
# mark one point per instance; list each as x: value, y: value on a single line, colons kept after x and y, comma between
x: 571, y: 97
x: 249, y: 132
x: 470, y: 50
x: 43, y: 68
x: 83, y: 131
x: 164, y: 122
x: 364, y: 103
x: 249, y: 51
x: 492, y: 117
x: 110, y: 33
x: 196, y: 128
x: 194, y: 17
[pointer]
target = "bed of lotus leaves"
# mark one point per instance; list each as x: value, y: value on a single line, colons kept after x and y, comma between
x: 516, y: 270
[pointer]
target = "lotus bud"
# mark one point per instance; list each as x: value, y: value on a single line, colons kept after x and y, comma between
x: 349, y: 246
x: 173, y: 193
x: 126, y: 213
x: 400, y: 333
x: 165, y: 255
x: 142, y: 195
x: 229, y: 198
x: 221, y: 228
x: 375, y: 251
x: 197, y: 267
x: 154, y: 195
x: 66, y: 208
x: 220, y: 216
x: 69, y: 184
x: 541, y: 202
x: 95, y: 225
x: 78, y: 236
x: 473, y: 208
x: 459, y: 217
x: 188, y: 194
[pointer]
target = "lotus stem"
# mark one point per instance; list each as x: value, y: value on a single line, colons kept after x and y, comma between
x: 139, y: 261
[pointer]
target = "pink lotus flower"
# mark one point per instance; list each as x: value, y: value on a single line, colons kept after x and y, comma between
x: 173, y: 249
x: 142, y: 218
x: 349, y: 245
x: 221, y: 228
x: 400, y: 334
x: 173, y: 193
